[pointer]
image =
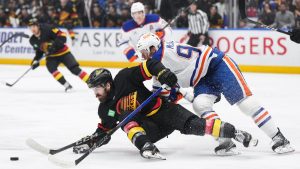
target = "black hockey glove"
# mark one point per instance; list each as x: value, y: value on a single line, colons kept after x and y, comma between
x: 295, y: 35
x: 167, y: 77
x: 97, y: 138
x: 34, y: 64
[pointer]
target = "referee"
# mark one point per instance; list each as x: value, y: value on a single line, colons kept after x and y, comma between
x: 198, y: 26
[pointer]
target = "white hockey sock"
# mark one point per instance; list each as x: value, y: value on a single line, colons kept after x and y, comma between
x: 264, y: 121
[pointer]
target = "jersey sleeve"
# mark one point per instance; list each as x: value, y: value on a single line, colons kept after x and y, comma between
x: 167, y: 31
x: 59, y: 38
x: 126, y: 47
x: 108, y: 118
x: 38, y: 52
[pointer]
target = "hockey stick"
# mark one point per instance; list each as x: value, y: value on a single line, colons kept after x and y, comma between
x: 44, y: 150
x: 242, y: 8
x: 178, y: 15
x: 15, y: 35
x: 12, y: 84
x: 108, y: 134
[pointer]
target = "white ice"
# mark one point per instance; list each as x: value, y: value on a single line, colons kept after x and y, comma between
x: 38, y: 107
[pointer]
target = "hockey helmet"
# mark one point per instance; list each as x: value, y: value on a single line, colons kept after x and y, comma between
x: 99, y: 77
x: 136, y: 7
x: 147, y: 41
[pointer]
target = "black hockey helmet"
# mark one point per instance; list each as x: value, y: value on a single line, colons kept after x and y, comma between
x: 99, y: 77
x: 33, y: 21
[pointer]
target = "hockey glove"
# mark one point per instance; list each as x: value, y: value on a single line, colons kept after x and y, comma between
x: 97, y: 138
x: 295, y: 35
x: 35, y: 64
x: 167, y: 77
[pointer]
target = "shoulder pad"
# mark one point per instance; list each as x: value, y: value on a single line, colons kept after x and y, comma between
x: 152, y: 18
x: 129, y: 25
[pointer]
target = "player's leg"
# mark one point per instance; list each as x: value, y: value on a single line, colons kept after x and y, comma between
x: 206, y: 93
x: 52, y: 64
x: 186, y: 122
x: 70, y: 62
x: 137, y: 135
x: 236, y: 91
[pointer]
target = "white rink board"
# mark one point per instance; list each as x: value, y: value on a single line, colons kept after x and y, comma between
x: 247, y: 47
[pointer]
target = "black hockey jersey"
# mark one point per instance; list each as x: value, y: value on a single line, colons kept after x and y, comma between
x: 51, y: 37
x: 129, y: 92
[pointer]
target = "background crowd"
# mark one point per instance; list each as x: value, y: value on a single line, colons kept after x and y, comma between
x: 112, y: 13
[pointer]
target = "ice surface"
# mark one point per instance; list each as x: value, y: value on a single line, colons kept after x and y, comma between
x: 38, y: 107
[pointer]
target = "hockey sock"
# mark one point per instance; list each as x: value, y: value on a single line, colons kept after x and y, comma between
x: 264, y: 121
x: 83, y: 76
x: 210, y: 115
x: 218, y: 128
x: 136, y: 134
x: 59, y: 77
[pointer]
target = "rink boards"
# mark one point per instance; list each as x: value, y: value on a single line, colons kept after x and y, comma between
x: 255, y: 50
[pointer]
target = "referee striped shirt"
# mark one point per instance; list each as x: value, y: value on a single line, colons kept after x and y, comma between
x: 198, y: 22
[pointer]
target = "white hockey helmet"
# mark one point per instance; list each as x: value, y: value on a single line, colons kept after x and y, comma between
x: 147, y: 41
x: 136, y: 7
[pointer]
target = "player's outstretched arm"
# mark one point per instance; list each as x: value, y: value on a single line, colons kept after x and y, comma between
x: 295, y: 35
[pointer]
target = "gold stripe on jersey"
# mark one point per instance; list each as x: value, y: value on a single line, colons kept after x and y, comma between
x: 148, y: 74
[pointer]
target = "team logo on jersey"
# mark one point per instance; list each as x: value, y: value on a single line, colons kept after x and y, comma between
x: 127, y: 103
x: 111, y: 113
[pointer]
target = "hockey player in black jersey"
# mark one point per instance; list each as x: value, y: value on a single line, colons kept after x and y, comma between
x: 50, y: 41
x: 123, y: 94
x: 295, y: 35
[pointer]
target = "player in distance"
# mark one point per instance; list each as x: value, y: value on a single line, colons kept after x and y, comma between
x: 140, y: 24
x: 50, y: 41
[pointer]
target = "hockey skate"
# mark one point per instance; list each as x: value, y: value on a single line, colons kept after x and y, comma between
x: 280, y: 144
x: 226, y: 147
x: 245, y: 138
x: 68, y: 87
x: 150, y: 151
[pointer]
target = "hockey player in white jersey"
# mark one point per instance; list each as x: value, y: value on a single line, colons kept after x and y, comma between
x: 212, y: 73
x: 141, y: 23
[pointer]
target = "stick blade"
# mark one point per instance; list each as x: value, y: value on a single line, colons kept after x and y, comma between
x: 37, y: 147
x: 61, y: 163
x: 9, y: 85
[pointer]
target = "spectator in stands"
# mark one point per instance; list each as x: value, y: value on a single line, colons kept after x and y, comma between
x: 24, y: 16
x: 113, y: 19
x: 214, y: 18
x: 4, y: 22
x: 284, y: 19
x: 125, y: 14
x: 98, y: 16
x: 52, y: 17
x: 223, y: 11
x: 204, y: 5
x: 297, y: 13
x: 182, y: 21
x: 267, y: 16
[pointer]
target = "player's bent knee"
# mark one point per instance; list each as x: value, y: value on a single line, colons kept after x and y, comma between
x: 203, y: 103
x: 75, y: 70
x: 249, y: 105
x: 194, y: 125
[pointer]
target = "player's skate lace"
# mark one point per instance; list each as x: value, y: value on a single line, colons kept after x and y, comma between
x: 245, y: 138
x: 280, y: 144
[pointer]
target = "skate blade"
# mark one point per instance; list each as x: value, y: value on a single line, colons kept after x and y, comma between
x: 149, y: 155
x: 253, y: 142
x: 284, y: 149
x: 231, y: 152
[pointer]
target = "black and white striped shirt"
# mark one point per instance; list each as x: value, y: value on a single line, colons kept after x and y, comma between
x: 198, y: 22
